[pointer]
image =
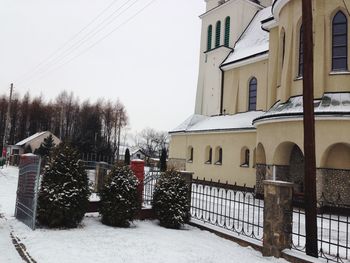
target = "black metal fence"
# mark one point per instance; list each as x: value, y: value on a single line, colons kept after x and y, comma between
x: 149, y: 183
x: 230, y: 207
x: 333, y: 225
x: 94, y: 157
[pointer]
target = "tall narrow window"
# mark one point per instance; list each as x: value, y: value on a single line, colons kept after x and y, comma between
x: 208, y: 155
x: 253, y: 83
x: 218, y: 34
x: 301, y: 52
x: 227, y: 31
x: 339, y: 42
x: 283, y: 46
x: 245, y: 155
x: 190, y: 154
x: 210, y: 34
x: 218, y: 154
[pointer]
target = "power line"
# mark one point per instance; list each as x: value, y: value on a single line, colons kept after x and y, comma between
x: 100, y: 27
x: 91, y: 46
x: 71, y: 39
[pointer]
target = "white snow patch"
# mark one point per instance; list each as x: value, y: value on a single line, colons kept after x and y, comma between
x: 223, y: 122
x: 23, y: 142
x: 145, y: 242
x: 8, y: 188
x: 253, y: 41
x: 94, y: 242
x: 189, y: 122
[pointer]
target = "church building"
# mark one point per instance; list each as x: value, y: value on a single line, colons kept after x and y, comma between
x: 247, y: 124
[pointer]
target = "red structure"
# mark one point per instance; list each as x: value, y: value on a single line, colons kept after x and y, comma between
x: 138, y: 167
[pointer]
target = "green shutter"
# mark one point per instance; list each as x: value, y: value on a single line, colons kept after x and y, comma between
x: 210, y: 33
x: 217, y: 35
x: 227, y: 31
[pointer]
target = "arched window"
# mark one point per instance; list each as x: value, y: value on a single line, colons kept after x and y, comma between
x: 227, y: 31
x: 208, y: 155
x: 253, y: 83
x: 190, y: 154
x: 210, y: 34
x: 218, y: 155
x: 339, y: 42
x: 218, y: 34
x: 245, y: 155
x: 301, y: 52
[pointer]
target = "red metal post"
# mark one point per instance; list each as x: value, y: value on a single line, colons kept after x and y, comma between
x: 138, y: 167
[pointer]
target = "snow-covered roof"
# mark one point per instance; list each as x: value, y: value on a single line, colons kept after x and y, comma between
x: 253, y: 41
x: 132, y: 150
x: 329, y: 104
x: 30, y: 138
x: 189, y: 122
x: 239, y: 121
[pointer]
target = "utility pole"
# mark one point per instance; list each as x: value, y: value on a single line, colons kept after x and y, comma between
x: 7, y: 124
x: 119, y: 128
x: 309, y: 132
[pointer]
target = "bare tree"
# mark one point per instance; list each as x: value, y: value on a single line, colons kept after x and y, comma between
x: 151, y: 141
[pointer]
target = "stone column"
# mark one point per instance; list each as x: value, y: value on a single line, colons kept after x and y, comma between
x: 278, y: 197
x: 188, y: 176
x: 101, y: 173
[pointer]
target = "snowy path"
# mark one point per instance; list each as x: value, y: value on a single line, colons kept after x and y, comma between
x: 8, y: 186
x: 93, y: 242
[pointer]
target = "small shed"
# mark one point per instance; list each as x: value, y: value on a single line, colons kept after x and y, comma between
x: 33, y: 142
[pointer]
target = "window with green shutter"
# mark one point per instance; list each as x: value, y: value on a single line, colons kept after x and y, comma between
x: 227, y: 31
x: 217, y: 34
x: 210, y: 33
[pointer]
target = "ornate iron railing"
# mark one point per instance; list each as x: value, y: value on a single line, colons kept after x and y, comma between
x: 333, y: 227
x: 151, y: 178
x: 229, y: 207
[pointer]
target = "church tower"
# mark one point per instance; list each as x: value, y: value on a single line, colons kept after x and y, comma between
x: 222, y: 24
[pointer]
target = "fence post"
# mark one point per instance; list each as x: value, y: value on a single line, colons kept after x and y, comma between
x: 138, y: 167
x: 101, y: 173
x: 188, y: 176
x: 278, y: 213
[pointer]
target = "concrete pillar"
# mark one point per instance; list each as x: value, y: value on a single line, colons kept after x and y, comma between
x: 138, y: 167
x: 278, y: 197
x: 188, y: 176
x: 101, y: 173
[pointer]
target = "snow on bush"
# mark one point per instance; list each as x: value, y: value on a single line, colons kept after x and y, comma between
x: 64, y: 193
x: 170, y: 201
x: 119, y: 197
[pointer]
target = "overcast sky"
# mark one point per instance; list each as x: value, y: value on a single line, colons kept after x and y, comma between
x: 150, y: 63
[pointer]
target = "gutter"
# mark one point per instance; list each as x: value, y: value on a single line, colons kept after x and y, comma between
x: 300, y: 114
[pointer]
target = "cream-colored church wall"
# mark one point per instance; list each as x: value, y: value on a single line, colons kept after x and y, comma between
x: 231, y: 143
x: 236, y: 87
x: 327, y: 133
x: 289, y: 21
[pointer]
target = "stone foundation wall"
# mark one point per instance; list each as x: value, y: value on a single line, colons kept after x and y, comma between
x: 335, y: 186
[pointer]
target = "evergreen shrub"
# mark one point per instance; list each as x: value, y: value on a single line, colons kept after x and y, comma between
x: 64, y: 194
x: 119, y: 197
x: 170, y: 200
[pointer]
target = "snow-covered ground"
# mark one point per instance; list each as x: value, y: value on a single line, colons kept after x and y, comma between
x: 144, y: 242
x: 8, y: 186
